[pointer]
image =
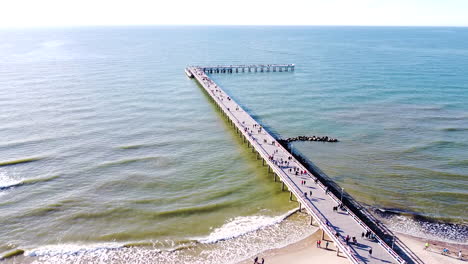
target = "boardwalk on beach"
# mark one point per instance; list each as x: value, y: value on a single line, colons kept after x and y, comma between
x: 313, y: 195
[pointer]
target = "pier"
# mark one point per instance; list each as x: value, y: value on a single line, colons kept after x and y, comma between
x: 248, y: 68
x: 335, y: 221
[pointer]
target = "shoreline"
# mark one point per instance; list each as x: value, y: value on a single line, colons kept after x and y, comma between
x: 305, y: 250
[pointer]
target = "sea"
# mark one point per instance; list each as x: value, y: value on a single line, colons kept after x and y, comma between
x: 109, y: 153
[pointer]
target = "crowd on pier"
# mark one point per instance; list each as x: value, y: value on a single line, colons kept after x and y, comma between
x: 312, y: 138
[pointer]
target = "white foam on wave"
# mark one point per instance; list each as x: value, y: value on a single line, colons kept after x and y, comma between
x: 242, y: 225
x: 70, y: 249
x: 6, y: 181
x: 269, y: 232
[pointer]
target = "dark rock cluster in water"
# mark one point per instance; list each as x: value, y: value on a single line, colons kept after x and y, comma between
x: 312, y: 138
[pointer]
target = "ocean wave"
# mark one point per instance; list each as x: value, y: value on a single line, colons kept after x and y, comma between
x: 133, y: 146
x: 435, y: 145
x: 7, y: 182
x: 71, y: 249
x: 168, y: 142
x: 242, y: 225
x: 459, y: 163
x: 454, y: 129
x: 195, y: 210
x: 19, y: 161
x: 430, y: 172
x: 235, y: 250
x: 160, y: 161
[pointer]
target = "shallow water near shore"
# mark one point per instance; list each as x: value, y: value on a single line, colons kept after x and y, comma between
x: 104, y: 141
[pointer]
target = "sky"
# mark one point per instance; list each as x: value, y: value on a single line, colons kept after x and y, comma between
x: 59, y: 13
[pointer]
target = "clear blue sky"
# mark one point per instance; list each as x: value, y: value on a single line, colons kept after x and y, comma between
x: 25, y: 13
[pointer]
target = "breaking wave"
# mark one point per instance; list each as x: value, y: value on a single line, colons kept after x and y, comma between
x: 239, y: 239
x: 242, y: 225
x: 7, y: 182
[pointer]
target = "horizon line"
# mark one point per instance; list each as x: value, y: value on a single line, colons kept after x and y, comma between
x: 225, y: 25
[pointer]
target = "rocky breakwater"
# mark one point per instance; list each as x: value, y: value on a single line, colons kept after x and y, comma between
x: 312, y: 138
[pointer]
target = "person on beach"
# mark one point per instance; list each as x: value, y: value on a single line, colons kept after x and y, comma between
x: 362, y: 235
x: 255, y: 260
x: 263, y: 261
x: 326, y: 245
x: 460, y: 255
x: 370, y: 252
x: 426, y: 246
x: 310, y: 193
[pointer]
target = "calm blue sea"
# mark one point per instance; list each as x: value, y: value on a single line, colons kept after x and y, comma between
x: 105, y: 142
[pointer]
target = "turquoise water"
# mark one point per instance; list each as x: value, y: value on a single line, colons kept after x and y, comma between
x: 122, y: 148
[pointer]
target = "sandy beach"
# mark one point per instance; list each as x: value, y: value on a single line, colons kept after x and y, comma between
x: 433, y: 254
x: 305, y: 251
x: 302, y: 252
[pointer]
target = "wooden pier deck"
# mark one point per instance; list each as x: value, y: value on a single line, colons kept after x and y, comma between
x: 313, y: 195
